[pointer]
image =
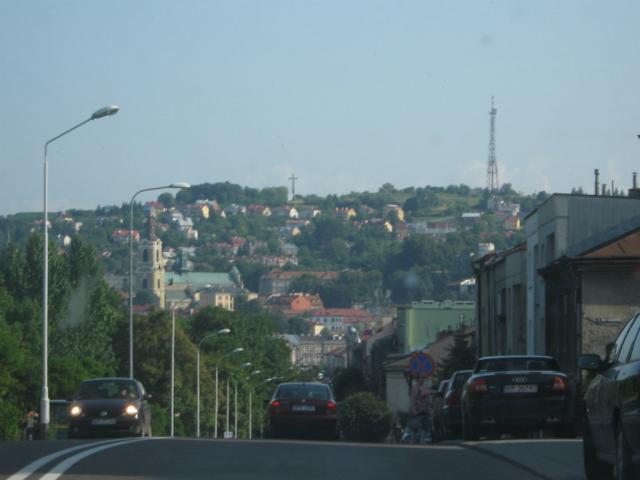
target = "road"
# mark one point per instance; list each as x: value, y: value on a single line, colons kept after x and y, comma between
x: 165, y: 458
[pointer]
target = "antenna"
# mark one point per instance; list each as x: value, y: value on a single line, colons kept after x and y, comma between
x: 493, y: 184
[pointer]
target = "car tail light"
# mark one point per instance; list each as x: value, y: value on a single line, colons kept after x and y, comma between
x: 331, y: 407
x: 560, y: 384
x: 453, y: 399
x: 274, y: 406
x: 479, y: 385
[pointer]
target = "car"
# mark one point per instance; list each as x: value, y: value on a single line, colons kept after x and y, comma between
x: 439, y: 427
x: 451, y: 405
x: 110, y: 406
x: 516, y: 394
x: 611, y: 438
x: 303, y: 409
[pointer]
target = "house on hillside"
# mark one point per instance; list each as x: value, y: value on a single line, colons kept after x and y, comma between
x: 279, y: 281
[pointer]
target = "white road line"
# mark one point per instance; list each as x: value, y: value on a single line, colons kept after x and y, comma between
x: 31, y: 468
x: 65, y: 465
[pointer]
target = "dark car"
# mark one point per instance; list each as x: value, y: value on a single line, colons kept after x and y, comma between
x: 611, y: 439
x: 303, y: 409
x: 439, y: 427
x: 109, y: 406
x: 510, y: 394
x: 451, y: 407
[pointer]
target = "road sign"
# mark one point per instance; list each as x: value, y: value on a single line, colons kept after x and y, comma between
x: 421, y: 364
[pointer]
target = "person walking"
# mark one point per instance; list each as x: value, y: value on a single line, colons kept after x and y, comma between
x: 421, y: 403
x: 30, y: 424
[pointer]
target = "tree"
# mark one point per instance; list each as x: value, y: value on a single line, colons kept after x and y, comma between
x: 462, y: 356
x: 167, y: 199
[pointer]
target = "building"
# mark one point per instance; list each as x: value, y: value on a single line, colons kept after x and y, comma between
x: 420, y: 323
x: 556, y: 229
x: 122, y: 236
x: 149, y: 271
x: 279, y: 281
x: 295, y: 304
x: 214, y: 288
x: 315, y: 351
x: 591, y: 293
x: 501, y: 307
x: 336, y: 320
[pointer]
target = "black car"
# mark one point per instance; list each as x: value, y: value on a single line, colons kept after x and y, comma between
x: 303, y: 409
x: 510, y: 394
x: 611, y: 439
x: 109, y: 406
x: 451, y: 406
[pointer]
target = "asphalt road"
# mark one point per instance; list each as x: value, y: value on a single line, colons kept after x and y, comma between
x: 164, y: 458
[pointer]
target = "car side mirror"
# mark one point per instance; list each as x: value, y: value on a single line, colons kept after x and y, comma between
x: 590, y: 362
x: 147, y: 396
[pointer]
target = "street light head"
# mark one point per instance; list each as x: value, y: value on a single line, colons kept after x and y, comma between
x: 245, y: 365
x: 105, y: 112
x: 238, y: 350
x: 180, y: 185
x: 223, y: 331
x: 255, y: 372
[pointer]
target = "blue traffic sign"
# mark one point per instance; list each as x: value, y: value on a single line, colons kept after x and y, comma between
x: 421, y: 364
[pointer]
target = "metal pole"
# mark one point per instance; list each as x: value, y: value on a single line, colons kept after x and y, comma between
x: 198, y: 392
x: 215, y: 415
x: 131, y: 286
x: 226, y: 426
x: 44, y: 406
x: 250, y: 414
x: 173, y: 367
x: 235, y: 415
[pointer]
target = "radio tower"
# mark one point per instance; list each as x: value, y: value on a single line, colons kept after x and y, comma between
x: 493, y: 185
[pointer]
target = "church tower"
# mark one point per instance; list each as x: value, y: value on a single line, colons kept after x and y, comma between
x: 150, y: 264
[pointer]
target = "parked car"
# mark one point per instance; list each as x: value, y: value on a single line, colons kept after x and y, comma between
x: 451, y: 407
x: 611, y: 440
x: 303, y: 409
x: 439, y: 427
x: 110, y: 406
x: 509, y: 394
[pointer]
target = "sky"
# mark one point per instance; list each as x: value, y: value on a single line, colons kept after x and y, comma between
x: 346, y: 94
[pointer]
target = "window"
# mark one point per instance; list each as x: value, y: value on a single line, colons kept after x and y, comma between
x: 635, y: 352
x: 628, y: 341
x: 145, y: 284
x: 617, y: 346
x: 145, y: 255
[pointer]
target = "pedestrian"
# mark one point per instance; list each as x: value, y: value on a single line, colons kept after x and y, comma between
x: 30, y: 424
x: 421, y: 402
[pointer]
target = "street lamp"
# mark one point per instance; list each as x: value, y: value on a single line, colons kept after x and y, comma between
x: 44, y: 401
x: 179, y: 185
x: 235, y: 416
x: 215, y: 422
x: 252, y: 374
x: 224, y: 331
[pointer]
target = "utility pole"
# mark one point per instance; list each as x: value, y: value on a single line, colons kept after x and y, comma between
x: 493, y: 184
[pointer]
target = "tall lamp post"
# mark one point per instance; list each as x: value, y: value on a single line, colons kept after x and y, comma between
x: 224, y: 331
x: 252, y: 374
x: 44, y: 401
x: 215, y: 416
x: 179, y: 185
x: 235, y: 403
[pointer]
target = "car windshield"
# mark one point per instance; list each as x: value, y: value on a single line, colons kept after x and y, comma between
x: 312, y: 392
x: 107, y: 389
x: 516, y: 364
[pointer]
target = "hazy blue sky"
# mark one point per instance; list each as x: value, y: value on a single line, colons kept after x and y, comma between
x: 347, y: 94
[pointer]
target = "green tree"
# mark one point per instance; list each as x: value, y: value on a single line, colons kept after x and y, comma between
x: 461, y: 356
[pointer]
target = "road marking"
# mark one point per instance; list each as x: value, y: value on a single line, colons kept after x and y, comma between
x: 65, y: 465
x: 31, y: 468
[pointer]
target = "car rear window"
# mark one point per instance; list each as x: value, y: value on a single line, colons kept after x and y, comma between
x: 516, y: 364
x: 109, y: 389
x: 314, y: 392
x: 460, y: 378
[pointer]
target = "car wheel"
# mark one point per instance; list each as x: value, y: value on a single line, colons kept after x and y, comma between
x: 594, y: 468
x: 623, y: 468
x: 469, y: 429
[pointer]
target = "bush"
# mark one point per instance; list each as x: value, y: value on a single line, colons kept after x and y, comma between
x: 364, y: 418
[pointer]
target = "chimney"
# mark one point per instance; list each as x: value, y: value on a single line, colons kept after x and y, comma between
x: 604, y: 189
x: 597, y: 185
x: 635, y: 191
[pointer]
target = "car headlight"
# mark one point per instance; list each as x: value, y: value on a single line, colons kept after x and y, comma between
x: 75, y: 411
x: 131, y: 410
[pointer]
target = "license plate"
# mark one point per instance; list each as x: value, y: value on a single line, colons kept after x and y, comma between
x: 303, y: 408
x: 103, y: 421
x: 520, y: 388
